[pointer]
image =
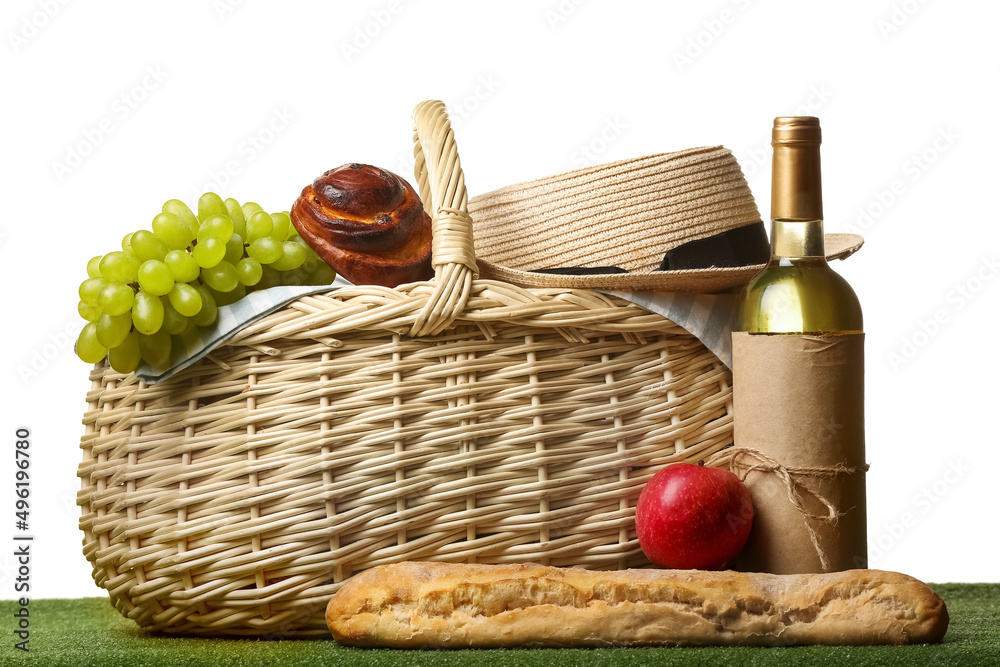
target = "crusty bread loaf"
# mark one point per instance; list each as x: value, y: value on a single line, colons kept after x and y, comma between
x: 423, y: 605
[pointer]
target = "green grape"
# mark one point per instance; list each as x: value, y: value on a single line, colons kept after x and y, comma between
x: 265, y: 250
x: 221, y: 277
x: 173, y: 322
x: 185, y: 299
x: 217, y: 227
x: 166, y: 282
x: 323, y: 274
x: 147, y: 313
x: 90, y: 290
x: 181, y: 210
x: 209, y: 252
x: 234, y: 249
x: 249, y: 209
x: 292, y: 256
x: 112, y: 329
x: 269, y: 278
x: 120, y: 267
x: 156, y: 277
x: 209, y: 310
x: 228, y: 298
x: 147, y: 246
x: 182, y: 266
x: 116, y: 298
x: 210, y: 204
x: 282, y: 226
x: 155, y: 349
x: 94, y: 267
x: 173, y: 231
x: 259, y: 225
x: 88, y: 312
x: 186, y: 339
x: 248, y: 271
x: 125, y: 358
x: 236, y: 215
x: 299, y: 276
x: 88, y: 347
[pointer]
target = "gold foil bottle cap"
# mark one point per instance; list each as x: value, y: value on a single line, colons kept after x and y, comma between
x: 796, y: 129
x: 796, y: 186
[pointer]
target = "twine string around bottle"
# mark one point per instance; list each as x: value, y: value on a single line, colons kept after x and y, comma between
x: 745, y: 460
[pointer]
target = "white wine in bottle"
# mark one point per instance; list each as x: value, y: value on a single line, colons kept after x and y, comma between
x: 798, y: 380
x: 797, y: 292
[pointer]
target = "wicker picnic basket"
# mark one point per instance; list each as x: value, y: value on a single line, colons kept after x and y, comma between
x: 456, y: 419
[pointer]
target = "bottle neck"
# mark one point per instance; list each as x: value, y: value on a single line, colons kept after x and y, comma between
x: 796, y: 190
x: 796, y: 183
x: 797, y: 239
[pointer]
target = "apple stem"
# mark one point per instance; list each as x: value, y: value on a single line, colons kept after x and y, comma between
x: 701, y: 462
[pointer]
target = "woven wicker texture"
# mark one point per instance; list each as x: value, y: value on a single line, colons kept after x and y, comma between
x: 626, y: 213
x: 235, y: 497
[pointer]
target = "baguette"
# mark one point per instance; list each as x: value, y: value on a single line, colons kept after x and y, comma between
x: 439, y: 605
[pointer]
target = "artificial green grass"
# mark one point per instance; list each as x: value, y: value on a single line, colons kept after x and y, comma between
x: 89, y: 632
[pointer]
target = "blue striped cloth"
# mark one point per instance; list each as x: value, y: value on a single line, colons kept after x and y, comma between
x: 200, y: 341
x: 708, y: 317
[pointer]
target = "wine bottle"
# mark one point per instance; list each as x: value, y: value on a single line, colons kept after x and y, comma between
x: 798, y: 381
x: 798, y: 291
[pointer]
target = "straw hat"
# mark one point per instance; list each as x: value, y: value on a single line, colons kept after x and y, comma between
x: 626, y: 214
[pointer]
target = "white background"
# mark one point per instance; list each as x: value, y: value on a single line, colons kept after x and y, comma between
x: 906, y: 90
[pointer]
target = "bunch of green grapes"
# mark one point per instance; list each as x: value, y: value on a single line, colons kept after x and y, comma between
x: 165, y: 282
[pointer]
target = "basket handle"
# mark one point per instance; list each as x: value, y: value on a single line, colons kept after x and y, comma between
x: 441, y: 184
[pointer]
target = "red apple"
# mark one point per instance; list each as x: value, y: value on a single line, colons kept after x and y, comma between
x: 693, y: 517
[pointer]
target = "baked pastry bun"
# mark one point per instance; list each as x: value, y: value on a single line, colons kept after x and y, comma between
x: 368, y: 224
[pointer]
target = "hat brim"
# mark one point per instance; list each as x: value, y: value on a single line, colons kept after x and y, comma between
x: 715, y: 279
x: 625, y: 214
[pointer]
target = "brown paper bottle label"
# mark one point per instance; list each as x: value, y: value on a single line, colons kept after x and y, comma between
x: 799, y: 399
